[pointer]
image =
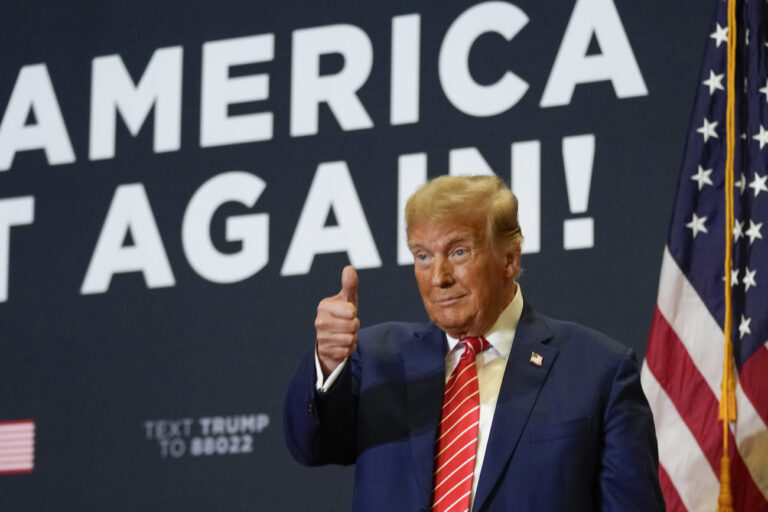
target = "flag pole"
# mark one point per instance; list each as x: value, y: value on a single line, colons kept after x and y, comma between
x: 727, y: 412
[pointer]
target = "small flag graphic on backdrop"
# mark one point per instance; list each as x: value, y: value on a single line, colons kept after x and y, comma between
x: 17, y: 446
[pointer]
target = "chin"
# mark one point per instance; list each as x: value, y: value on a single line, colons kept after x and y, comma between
x: 451, y: 325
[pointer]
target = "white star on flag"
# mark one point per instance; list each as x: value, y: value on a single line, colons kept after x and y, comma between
x: 702, y: 177
x: 734, y: 277
x: 708, y: 130
x: 753, y: 231
x: 758, y: 183
x: 697, y: 225
x: 762, y: 137
x: 720, y: 35
x: 744, y: 326
x: 749, y: 278
x: 741, y: 184
x: 738, y: 230
x: 764, y: 90
x: 714, y: 82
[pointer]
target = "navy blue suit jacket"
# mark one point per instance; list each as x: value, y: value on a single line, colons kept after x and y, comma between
x: 574, y: 434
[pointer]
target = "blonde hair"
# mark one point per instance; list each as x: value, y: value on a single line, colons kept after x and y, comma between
x: 456, y: 198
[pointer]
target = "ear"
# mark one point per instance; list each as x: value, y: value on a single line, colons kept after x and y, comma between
x: 512, y: 262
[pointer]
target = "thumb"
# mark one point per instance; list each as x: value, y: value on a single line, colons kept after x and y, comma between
x: 349, y: 284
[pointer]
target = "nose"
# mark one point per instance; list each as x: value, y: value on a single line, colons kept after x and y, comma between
x: 442, y: 272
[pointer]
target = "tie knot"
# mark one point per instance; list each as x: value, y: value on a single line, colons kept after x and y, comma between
x: 474, y: 345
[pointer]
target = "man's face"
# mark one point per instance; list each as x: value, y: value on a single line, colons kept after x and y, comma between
x: 464, y: 281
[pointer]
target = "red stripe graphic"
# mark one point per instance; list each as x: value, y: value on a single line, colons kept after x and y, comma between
x: 17, y: 446
x: 9, y: 423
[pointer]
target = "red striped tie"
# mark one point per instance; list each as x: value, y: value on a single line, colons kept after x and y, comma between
x: 456, y: 444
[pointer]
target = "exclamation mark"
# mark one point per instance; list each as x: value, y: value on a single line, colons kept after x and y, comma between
x: 578, y: 157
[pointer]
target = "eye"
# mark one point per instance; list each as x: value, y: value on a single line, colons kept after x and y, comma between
x: 421, y: 258
x: 460, y: 253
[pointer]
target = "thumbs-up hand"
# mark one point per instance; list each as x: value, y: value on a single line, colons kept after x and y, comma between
x: 336, y: 323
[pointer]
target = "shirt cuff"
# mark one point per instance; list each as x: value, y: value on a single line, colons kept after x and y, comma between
x: 325, y: 386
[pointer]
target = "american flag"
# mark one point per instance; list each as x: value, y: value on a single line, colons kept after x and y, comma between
x: 17, y: 446
x: 684, y: 363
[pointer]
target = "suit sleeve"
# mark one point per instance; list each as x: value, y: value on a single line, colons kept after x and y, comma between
x: 629, y: 475
x: 321, y: 426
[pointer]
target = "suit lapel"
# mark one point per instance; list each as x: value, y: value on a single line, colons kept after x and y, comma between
x: 518, y: 394
x: 424, y: 363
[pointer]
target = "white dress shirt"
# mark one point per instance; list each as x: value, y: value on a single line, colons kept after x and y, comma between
x: 490, y: 364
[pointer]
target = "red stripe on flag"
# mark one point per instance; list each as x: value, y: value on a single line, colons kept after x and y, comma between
x: 671, y: 497
x: 754, y: 381
x: 669, y: 361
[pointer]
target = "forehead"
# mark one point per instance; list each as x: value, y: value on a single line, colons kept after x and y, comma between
x: 443, y: 233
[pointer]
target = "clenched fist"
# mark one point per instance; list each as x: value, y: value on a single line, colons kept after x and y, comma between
x: 336, y: 324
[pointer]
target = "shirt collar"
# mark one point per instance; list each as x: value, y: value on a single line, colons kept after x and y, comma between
x: 502, y: 332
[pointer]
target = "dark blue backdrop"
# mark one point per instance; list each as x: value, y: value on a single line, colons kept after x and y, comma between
x: 169, y: 397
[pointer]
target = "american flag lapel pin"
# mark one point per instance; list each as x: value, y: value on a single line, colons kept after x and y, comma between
x: 536, y: 359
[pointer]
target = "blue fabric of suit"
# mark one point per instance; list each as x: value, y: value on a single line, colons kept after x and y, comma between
x: 574, y: 434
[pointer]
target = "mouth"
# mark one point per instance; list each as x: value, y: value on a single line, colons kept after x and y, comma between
x: 447, y: 301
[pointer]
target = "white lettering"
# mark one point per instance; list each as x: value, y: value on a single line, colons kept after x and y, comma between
x: 411, y: 174
x: 18, y: 211
x: 252, y: 229
x: 33, y: 92
x: 526, y: 184
x: 573, y: 66
x: 219, y: 91
x: 113, y: 90
x: 405, y: 74
x: 331, y: 189
x: 468, y: 162
x: 129, y: 212
x: 457, y: 82
x: 309, y: 88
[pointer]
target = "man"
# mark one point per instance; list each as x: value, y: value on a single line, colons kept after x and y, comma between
x: 552, y: 416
